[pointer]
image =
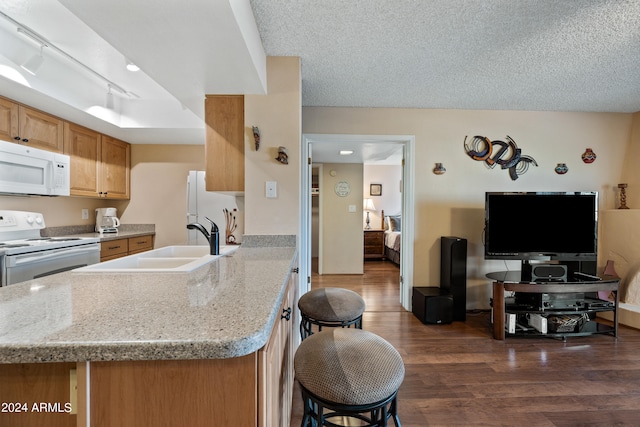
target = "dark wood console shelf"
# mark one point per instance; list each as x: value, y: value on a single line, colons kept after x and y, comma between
x: 592, y: 326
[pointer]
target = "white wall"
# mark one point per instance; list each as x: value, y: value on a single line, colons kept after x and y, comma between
x: 342, y: 236
x: 278, y: 115
x: 390, y: 201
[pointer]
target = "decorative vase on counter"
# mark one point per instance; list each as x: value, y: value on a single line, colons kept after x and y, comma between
x: 589, y: 156
x: 561, y: 168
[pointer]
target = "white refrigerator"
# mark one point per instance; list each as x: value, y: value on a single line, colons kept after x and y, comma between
x: 202, y: 203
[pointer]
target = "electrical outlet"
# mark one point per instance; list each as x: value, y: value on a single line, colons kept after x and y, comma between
x: 85, y: 213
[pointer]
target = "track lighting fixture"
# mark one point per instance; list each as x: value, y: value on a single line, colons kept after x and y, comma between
x: 34, y: 63
x: 108, y: 102
x: 33, y: 35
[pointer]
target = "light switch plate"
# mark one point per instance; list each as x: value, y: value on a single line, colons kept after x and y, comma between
x: 271, y: 189
x: 85, y: 213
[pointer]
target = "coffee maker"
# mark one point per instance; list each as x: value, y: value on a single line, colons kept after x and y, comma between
x: 106, y: 220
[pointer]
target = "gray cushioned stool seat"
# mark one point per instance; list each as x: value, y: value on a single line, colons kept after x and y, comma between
x: 332, y: 307
x: 348, y: 371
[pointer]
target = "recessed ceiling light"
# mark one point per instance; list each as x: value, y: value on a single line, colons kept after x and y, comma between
x: 132, y: 67
x: 346, y: 152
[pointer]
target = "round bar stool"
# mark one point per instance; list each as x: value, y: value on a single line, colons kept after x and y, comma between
x: 330, y: 307
x: 348, y: 374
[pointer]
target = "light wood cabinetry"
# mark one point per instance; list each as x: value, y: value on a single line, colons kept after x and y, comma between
x: 140, y: 244
x: 45, y: 385
x: 195, y: 393
x: 30, y: 127
x: 83, y: 147
x: 112, y: 249
x: 374, y: 243
x: 115, y: 168
x: 100, y: 164
x: 276, y: 364
x: 224, y: 146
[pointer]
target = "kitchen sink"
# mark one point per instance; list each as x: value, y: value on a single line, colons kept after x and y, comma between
x: 180, y: 259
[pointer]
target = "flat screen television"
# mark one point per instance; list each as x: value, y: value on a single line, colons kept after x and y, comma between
x: 526, y: 226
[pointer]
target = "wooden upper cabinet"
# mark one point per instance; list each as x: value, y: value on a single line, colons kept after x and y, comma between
x: 100, y: 164
x: 115, y: 168
x: 24, y: 125
x: 224, y: 148
x: 8, y: 119
x: 41, y: 130
x: 83, y: 147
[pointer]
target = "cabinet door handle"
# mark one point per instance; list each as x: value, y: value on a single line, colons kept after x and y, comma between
x: 25, y: 139
x: 286, y: 313
x: 295, y: 270
x: 17, y: 138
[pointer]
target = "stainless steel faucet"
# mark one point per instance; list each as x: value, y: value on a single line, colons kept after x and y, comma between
x: 213, y: 237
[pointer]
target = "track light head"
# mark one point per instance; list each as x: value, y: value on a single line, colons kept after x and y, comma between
x: 34, y: 63
x: 108, y: 102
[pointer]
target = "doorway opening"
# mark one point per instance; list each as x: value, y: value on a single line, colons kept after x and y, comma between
x: 367, y: 146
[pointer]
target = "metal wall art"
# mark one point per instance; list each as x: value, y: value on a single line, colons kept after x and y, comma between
x: 492, y: 153
x: 256, y: 137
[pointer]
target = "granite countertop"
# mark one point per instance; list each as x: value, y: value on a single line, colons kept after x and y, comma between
x: 224, y: 309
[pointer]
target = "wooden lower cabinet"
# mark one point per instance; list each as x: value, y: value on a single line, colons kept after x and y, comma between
x: 36, y: 394
x: 276, y: 365
x: 252, y: 390
x: 195, y: 393
x: 112, y: 249
x: 140, y: 244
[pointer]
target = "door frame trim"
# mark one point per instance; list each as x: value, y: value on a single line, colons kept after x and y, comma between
x: 408, y: 206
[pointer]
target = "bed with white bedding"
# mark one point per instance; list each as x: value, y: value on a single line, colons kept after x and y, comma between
x: 392, y: 226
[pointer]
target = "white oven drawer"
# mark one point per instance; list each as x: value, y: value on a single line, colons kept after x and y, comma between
x: 23, y: 267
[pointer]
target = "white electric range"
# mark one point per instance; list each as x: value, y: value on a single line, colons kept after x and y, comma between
x: 25, y: 255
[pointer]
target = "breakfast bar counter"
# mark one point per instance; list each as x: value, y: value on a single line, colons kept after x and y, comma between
x: 210, y: 344
x: 224, y: 309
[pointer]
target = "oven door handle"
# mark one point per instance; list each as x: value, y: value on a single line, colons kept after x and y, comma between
x: 14, y: 260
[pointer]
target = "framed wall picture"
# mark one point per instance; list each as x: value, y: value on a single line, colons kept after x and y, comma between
x: 375, y: 190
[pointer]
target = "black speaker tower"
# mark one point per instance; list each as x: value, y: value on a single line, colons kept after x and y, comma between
x: 453, y: 273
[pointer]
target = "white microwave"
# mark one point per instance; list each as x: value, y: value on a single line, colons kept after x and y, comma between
x: 31, y: 171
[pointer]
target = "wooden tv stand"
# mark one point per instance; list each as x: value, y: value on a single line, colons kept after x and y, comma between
x: 507, y: 281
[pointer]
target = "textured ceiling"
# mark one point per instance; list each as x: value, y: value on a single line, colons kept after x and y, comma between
x: 570, y: 55
x: 554, y: 55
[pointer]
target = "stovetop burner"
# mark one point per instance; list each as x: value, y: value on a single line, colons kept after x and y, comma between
x: 20, y: 234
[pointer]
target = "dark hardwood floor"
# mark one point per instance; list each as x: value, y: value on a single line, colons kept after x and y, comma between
x: 458, y: 375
